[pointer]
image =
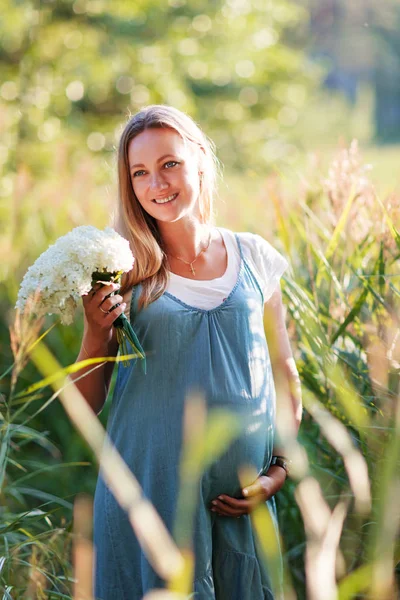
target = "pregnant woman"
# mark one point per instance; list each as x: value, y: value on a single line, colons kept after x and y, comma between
x: 196, y: 298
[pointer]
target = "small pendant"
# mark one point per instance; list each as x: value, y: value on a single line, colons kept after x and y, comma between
x: 193, y: 271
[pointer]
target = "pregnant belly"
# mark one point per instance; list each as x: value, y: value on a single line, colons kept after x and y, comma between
x: 251, y: 450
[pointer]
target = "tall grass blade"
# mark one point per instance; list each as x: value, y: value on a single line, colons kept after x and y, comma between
x: 339, y: 229
x: 150, y: 530
x: 74, y: 368
x: 393, y: 230
x: 206, y: 437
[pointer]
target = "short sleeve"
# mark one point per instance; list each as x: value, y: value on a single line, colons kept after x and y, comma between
x: 269, y: 263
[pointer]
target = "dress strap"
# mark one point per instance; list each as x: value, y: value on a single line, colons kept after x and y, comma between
x: 249, y: 269
x: 132, y: 311
x: 239, y: 246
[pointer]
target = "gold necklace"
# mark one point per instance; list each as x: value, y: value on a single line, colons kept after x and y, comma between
x: 196, y: 257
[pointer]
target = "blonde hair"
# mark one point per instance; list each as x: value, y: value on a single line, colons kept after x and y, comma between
x: 134, y: 223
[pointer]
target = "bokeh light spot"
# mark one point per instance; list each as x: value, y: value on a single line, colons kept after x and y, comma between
x: 41, y: 98
x: 124, y: 84
x: 233, y: 111
x: 140, y: 94
x: 265, y: 38
x: 75, y: 91
x: 220, y: 76
x: 197, y: 69
x: 287, y: 116
x: 9, y: 90
x: 96, y: 141
x: 248, y: 96
x: 79, y: 7
x: 48, y: 130
x: 296, y: 94
x: 188, y: 47
x: 3, y: 154
x: 6, y: 186
x: 95, y: 7
x: 73, y: 40
x: 202, y: 23
x: 245, y: 68
x: 176, y: 98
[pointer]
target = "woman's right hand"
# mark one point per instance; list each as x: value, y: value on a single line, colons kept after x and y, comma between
x: 101, y: 311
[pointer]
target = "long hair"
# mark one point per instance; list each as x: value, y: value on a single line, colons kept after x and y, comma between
x: 134, y: 223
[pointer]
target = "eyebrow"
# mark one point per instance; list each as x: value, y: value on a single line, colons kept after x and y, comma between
x: 158, y: 160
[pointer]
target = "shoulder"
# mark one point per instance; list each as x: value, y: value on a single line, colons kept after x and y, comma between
x: 256, y: 243
x: 268, y: 262
x: 250, y: 242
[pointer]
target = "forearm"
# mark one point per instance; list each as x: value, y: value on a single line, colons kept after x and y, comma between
x: 93, y: 381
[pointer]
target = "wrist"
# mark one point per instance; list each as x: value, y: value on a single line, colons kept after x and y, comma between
x: 274, y: 479
x: 93, y: 347
x: 282, y: 462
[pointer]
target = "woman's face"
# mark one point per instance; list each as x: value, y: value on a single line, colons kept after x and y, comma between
x: 164, y: 172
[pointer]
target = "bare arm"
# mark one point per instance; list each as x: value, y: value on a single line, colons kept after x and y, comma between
x: 286, y: 377
x: 94, y: 386
x: 288, y: 398
x: 99, y: 339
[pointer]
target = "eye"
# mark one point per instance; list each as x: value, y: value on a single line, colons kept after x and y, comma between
x: 172, y: 163
x: 137, y: 173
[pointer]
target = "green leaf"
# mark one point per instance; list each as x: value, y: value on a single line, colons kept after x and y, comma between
x: 58, y: 374
x: 340, y: 225
x: 392, y: 228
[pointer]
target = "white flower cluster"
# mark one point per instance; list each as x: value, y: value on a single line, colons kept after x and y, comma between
x: 63, y: 273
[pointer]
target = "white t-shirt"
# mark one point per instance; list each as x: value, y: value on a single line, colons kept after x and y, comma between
x: 268, y: 266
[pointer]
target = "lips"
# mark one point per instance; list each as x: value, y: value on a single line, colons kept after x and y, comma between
x: 165, y: 199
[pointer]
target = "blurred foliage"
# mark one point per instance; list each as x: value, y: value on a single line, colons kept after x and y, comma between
x: 72, y: 71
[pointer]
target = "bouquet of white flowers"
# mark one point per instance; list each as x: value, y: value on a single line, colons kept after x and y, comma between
x: 69, y: 268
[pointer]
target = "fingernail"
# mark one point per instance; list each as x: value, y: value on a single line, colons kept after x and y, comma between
x: 213, y: 510
x: 220, y: 497
x: 245, y: 492
x: 214, y: 502
x: 123, y: 305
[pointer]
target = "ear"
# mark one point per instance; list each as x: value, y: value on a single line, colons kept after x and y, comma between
x: 202, y: 160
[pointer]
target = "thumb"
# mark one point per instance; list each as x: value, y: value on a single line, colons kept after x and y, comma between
x: 255, y: 489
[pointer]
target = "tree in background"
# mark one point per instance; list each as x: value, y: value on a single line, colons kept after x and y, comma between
x: 73, y: 70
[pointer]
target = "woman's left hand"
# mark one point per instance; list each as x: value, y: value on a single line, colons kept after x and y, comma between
x: 257, y: 493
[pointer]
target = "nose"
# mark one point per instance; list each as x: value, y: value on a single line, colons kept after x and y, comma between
x: 157, y: 182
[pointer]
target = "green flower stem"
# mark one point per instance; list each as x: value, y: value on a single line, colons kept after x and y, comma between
x: 125, y: 332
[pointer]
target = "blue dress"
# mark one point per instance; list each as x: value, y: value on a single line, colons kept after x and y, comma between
x: 223, y: 352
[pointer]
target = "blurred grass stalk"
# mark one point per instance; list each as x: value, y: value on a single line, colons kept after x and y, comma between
x: 350, y: 372
x: 205, y: 438
x: 149, y: 529
x: 83, y: 555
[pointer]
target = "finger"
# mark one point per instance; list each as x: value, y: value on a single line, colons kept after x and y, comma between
x: 115, y: 313
x: 227, y: 511
x: 240, y: 506
x: 233, y: 502
x: 101, y: 291
x: 108, y: 319
x: 255, y: 489
x: 95, y: 288
x: 111, y: 303
x: 89, y: 295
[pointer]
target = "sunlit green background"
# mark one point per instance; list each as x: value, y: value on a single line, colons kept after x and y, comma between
x: 279, y: 85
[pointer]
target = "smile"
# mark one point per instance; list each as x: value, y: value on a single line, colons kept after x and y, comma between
x: 165, y: 200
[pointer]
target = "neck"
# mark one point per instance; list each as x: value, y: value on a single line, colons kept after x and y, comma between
x: 184, y: 238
